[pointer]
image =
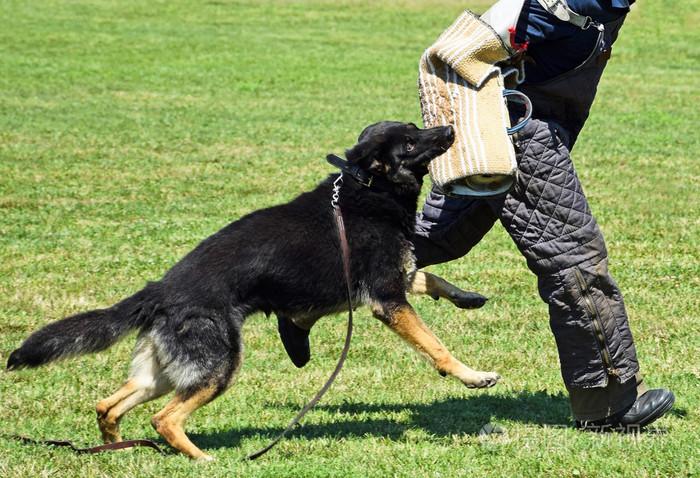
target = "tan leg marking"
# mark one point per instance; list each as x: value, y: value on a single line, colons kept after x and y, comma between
x: 110, y: 429
x: 109, y: 421
x: 429, y: 284
x: 170, y: 421
x: 146, y: 382
x: 127, y: 389
x: 403, y: 320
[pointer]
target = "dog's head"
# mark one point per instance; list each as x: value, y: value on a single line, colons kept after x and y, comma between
x: 399, y: 152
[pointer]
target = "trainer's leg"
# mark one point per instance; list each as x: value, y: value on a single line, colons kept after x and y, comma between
x: 549, y: 219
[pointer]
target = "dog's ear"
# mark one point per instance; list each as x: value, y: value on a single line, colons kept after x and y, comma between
x: 365, y: 154
x: 365, y: 149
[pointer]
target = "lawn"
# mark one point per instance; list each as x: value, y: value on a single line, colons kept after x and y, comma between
x: 129, y: 131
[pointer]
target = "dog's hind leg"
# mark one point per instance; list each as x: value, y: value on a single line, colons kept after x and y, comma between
x: 209, y: 353
x: 109, y: 421
x: 170, y: 421
x: 402, y: 319
x: 421, y: 282
x: 146, y: 382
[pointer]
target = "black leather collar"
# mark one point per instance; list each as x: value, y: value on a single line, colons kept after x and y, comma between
x: 360, y: 175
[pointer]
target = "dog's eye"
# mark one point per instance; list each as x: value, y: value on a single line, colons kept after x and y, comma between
x: 410, y: 145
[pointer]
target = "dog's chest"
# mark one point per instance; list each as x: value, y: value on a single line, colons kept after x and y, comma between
x: 306, y: 318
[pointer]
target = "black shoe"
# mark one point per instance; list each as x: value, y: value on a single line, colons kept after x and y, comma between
x: 646, y: 409
x: 295, y: 341
x: 650, y: 406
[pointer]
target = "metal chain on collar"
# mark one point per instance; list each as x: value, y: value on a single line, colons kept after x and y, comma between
x: 336, y: 191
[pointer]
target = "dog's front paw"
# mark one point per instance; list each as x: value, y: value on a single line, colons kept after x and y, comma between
x: 467, y: 300
x: 481, y: 379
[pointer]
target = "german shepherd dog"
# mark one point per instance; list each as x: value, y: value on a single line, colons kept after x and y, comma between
x: 283, y: 260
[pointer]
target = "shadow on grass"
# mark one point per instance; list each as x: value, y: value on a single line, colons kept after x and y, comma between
x: 441, y: 418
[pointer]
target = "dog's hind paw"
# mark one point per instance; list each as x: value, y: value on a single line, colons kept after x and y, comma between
x: 467, y: 300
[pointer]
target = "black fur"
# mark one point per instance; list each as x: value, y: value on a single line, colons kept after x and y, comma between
x: 87, y: 332
x: 283, y: 260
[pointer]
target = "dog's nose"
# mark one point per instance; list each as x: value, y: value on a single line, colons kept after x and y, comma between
x: 450, y: 133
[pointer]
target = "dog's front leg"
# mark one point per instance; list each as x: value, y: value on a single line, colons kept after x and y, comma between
x: 421, y: 282
x: 402, y: 319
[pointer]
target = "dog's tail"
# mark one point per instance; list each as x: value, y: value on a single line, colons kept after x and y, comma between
x: 87, y: 332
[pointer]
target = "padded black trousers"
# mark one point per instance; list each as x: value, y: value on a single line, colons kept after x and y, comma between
x: 548, y: 217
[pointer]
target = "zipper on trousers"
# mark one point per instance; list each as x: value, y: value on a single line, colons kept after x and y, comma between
x: 597, y: 324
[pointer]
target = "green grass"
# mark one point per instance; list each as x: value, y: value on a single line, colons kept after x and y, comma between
x: 129, y: 131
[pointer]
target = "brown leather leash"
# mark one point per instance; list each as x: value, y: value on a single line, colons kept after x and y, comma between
x: 122, y: 445
x: 345, y: 252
